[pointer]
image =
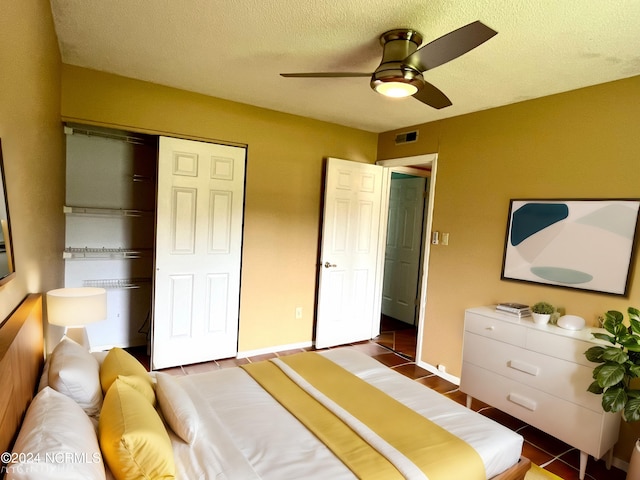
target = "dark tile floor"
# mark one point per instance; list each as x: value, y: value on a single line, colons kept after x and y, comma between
x: 542, y: 449
x: 398, y: 336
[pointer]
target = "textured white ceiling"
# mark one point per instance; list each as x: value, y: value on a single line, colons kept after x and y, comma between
x: 235, y: 49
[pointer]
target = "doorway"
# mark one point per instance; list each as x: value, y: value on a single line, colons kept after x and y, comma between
x: 406, y: 249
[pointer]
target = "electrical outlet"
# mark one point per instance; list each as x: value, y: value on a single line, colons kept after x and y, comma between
x: 298, y: 313
x: 442, y: 368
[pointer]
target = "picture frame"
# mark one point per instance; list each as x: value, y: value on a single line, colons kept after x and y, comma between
x: 583, y: 244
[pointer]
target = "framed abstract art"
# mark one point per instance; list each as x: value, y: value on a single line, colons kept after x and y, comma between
x: 580, y: 244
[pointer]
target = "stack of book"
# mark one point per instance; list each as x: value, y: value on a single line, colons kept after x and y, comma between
x: 516, y: 309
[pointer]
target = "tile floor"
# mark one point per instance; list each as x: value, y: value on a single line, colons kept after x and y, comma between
x: 542, y: 449
x: 398, y: 336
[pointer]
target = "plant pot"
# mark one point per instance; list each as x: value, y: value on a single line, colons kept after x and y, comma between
x: 634, y: 463
x: 541, y: 318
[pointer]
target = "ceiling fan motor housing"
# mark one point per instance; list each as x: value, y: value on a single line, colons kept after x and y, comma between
x: 397, y: 45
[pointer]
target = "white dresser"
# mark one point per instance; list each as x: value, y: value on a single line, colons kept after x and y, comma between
x: 538, y: 374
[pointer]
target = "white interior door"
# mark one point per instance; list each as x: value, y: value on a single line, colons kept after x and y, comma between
x: 198, y: 252
x: 403, y: 248
x: 349, y: 253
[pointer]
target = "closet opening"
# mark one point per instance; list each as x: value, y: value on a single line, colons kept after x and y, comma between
x: 110, y: 203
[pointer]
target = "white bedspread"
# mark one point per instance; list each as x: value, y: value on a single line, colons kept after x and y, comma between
x: 248, y: 435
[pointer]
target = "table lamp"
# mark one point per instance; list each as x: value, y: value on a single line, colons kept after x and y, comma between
x: 74, y: 308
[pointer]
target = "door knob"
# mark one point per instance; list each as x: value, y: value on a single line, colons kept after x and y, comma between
x: 329, y: 265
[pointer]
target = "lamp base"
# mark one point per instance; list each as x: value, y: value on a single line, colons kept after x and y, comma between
x: 78, y: 335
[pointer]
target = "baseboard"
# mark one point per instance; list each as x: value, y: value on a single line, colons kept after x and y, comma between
x: 108, y: 346
x: 621, y: 464
x: 278, y: 348
x: 433, y: 369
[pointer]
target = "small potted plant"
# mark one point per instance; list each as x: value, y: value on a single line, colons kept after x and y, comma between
x: 541, y: 312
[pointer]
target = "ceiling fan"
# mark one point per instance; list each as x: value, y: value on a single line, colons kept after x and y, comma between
x: 400, y: 72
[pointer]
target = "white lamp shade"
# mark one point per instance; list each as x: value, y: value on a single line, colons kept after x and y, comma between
x: 75, y: 307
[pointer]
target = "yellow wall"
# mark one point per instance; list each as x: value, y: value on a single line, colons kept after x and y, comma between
x: 578, y: 144
x: 581, y: 144
x: 32, y: 147
x: 283, y: 189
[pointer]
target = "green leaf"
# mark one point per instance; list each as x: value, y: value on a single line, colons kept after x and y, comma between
x: 614, y: 399
x: 614, y: 354
x: 631, y: 411
x: 633, y: 370
x: 595, y: 388
x: 610, y: 374
x: 633, y: 393
x: 634, y: 347
x: 614, y: 315
x: 629, y: 341
x: 605, y: 337
x: 621, y: 331
x: 634, y: 319
x: 596, y: 371
x: 594, y: 354
x: 612, y: 319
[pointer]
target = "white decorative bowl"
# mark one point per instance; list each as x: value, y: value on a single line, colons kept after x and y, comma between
x: 571, y: 322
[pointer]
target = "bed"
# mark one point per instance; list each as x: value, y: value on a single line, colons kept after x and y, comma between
x: 227, y: 424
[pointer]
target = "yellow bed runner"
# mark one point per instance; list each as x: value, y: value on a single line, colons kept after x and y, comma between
x: 434, y: 451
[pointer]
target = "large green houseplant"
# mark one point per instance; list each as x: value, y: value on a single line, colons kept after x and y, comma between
x: 619, y: 364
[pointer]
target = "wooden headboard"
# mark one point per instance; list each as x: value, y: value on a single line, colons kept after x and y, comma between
x: 21, y: 359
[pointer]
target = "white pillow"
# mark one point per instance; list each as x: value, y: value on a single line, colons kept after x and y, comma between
x: 76, y: 373
x: 176, y: 407
x: 56, y: 441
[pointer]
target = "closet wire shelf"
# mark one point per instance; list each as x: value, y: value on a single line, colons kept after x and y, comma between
x: 105, y: 253
x: 105, y: 212
x: 122, y: 284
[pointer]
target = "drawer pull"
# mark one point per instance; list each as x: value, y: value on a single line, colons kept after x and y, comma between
x: 524, y: 367
x: 523, y: 401
x: 490, y: 328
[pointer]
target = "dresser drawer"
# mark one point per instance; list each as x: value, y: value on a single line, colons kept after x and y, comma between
x: 558, y: 346
x: 560, y: 378
x: 589, y: 431
x: 502, y: 331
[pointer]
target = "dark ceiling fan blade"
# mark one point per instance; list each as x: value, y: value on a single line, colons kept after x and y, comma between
x: 450, y: 46
x: 432, y: 96
x: 326, y: 75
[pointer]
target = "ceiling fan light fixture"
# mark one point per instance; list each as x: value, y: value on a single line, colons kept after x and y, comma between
x: 404, y: 60
x: 397, y: 82
x: 396, y: 89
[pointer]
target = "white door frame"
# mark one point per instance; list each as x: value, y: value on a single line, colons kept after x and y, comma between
x: 426, y: 159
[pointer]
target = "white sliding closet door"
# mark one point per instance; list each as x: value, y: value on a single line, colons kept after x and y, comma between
x: 198, y: 252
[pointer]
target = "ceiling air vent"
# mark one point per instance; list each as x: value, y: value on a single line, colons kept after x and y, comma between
x: 407, y: 137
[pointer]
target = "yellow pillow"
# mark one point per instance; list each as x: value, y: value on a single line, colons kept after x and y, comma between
x: 133, y: 439
x: 142, y: 385
x: 119, y: 362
